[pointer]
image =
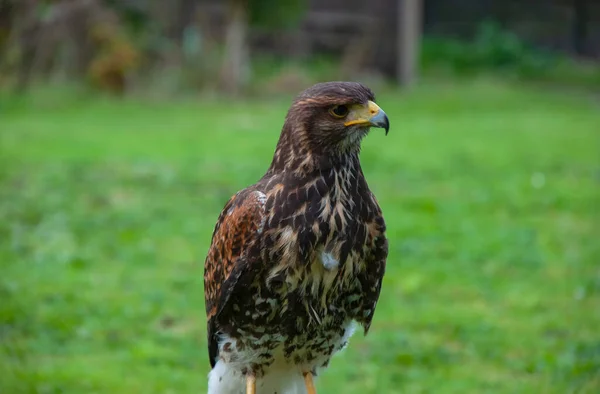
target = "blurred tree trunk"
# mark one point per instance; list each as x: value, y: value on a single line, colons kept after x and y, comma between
x: 358, y: 52
x: 581, y: 27
x: 79, y: 17
x: 235, y: 67
x: 409, y: 39
x: 6, y: 19
x: 183, y: 17
x: 26, y: 27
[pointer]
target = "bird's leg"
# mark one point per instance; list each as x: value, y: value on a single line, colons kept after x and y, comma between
x: 308, y: 382
x: 250, y: 384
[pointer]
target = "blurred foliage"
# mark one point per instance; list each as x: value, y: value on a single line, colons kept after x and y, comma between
x: 497, y: 50
x: 115, y: 58
x: 277, y: 14
x: 174, y: 47
x: 133, y: 12
x: 128, y: 45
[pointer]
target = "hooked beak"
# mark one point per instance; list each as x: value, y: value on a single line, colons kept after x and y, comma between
x: 370, y: 115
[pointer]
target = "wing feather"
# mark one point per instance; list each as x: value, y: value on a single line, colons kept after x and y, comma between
x: 236, y: 232
x: 371, y: 279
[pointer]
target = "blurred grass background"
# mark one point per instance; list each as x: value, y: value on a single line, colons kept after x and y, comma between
x: 126, y: 125
x: 490, y: 190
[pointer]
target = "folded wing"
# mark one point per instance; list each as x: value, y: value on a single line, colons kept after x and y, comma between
x: 232, y: 252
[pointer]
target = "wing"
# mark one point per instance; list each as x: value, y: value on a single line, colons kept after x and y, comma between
x: 375, y: 269
x: 236, y: 231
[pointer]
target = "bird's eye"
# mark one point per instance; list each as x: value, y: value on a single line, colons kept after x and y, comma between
x: 339, y: 111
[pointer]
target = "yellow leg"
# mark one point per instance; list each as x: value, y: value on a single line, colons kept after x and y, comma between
x: 308, y: 382
x: 250, y: 384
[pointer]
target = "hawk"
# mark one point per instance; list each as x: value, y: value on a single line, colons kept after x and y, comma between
x: 297, y: 259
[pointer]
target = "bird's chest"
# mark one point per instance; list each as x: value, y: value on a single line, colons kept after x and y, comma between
x: 321, y: 238
x: 319, y: 288
x: 317, y: 255
x: 331, y: 250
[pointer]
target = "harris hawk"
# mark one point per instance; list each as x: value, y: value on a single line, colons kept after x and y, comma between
x: 297, y: 259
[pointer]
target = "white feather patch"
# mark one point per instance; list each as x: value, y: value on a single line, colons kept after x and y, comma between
x: 226, y: 379
x: 329, y: 262
x: 281, y: 377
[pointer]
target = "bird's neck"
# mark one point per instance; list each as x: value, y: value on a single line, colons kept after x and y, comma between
x: 301, y: 157
x: 301, y: 162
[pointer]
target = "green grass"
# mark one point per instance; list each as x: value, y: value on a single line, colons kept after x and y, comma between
x: 491, y: 195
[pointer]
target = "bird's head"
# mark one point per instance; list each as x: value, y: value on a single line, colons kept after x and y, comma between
x: 325, y: 125
x: 333, y: 117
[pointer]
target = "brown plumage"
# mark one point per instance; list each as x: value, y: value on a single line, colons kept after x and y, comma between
x: 299, y: 256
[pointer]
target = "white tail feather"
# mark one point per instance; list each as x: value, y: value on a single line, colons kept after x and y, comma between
x: 223, y: 379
